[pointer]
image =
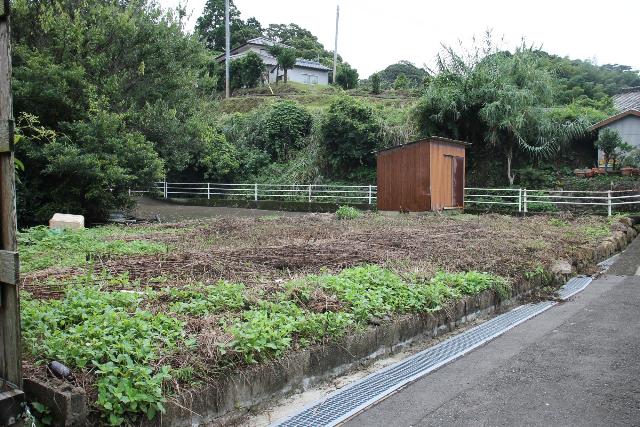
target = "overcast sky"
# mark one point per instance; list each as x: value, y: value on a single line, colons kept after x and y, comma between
x: 376, y: 33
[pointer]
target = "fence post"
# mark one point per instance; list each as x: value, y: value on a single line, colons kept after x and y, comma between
x: 525, y: 200
x: 609, y: 202
x: 208, y: 190
x: 166, y: 192
x: 520, y: 200
x: 369, y: 194
x: 255, y: 192
x: 309, y: 193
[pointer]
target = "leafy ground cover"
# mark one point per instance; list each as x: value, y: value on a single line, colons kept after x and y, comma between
x: 167, y: 307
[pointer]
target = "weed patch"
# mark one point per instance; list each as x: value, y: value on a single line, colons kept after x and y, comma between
x: 347, y: 212
x: 106, y: 332
x: 201, y: 300
x: 42, y: 248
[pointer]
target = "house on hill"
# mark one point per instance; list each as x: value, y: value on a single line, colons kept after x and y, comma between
x: 304, y: 71
x: 626, y: 122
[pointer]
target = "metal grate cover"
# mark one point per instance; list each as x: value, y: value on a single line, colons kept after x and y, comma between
x: 348, y: 401
x: 608, y: 262
x: 573, y: 286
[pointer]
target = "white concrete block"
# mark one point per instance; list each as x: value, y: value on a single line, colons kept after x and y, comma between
x: 66, y: 221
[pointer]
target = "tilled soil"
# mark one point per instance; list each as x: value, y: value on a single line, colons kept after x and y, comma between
x: 261, y: 251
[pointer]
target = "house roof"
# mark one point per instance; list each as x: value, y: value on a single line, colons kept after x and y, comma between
x: 271, y: 60
x: 615, y: 118
x: 629, y: 99
x: 430, y: 138
x: 263, y: 41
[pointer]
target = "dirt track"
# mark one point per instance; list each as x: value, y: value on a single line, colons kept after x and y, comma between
x: 147, y: 208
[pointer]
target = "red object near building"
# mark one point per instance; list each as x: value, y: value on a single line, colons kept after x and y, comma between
x: 421, y: 176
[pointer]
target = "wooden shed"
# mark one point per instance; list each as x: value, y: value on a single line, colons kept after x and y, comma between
x: 420, y: 176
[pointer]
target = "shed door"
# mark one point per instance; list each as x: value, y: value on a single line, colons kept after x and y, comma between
x: 457, y: 180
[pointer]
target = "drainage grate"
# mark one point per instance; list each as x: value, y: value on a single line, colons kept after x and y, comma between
x: 346, y: 402
x: 608, y: 262
x: 574, y: 286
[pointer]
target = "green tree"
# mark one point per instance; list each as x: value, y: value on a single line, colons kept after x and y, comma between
x: 302, y: 40
x: 346, y: 77
x: 286, y: 60
x: 612, y: 145
x: 401, y: 82
x: 500, y: 101
x: 414, y: 75
x: 210, y: 26
x: 285, y: 126
x: 375, y: 83
x: 350, y: 132
x: 80, y: 69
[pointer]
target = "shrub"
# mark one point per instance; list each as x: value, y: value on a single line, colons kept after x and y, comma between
x: 350, y: 131
x: 285, y: 125
x: 375, y: 83
x: 347, y: 212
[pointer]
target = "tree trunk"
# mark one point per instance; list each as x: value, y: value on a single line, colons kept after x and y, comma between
x: 509, y: 154
x: 277, y: 73
x: 285, y: 75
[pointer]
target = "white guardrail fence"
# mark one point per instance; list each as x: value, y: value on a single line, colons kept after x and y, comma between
x: 525, y: 200
x: 365, y: 194
x: 513, y: 199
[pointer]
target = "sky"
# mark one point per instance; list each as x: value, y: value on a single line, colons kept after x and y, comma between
x: 375, y: 33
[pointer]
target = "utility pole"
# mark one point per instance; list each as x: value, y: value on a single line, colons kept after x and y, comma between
x: 227, y: 49
x: 10, y: 357
x: 335, y: 50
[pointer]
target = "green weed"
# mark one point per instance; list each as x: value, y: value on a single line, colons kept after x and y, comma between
x: 107, y: 332
x: 42, y: 248
x: 201, y: 300
x: 347, y: 212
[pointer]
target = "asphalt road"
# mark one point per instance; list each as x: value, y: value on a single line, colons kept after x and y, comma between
x: 575, y: 364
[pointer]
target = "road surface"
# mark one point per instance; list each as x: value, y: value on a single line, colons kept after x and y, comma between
x: 575, y: 364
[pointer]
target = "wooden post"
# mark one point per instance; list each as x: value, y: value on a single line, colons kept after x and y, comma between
x: 10, y: 357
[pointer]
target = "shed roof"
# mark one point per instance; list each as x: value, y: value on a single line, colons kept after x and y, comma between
x: 615, y: 118
x: 430, y: 138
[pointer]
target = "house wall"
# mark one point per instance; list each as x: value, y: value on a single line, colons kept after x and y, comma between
x: 629, y: 130
x: 303, y: 75
x: 403, y: 178
x: 441, y: 174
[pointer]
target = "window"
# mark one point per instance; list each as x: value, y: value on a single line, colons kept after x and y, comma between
x: 309, y: 79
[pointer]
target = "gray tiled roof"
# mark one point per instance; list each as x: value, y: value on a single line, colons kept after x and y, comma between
x: 263, y: 41
x: 305, y: 63
x: 627, y: 100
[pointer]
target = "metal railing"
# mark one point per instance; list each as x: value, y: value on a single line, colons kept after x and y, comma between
x: 366, y: 194
x: 507, y: 199
x: 526, y: 200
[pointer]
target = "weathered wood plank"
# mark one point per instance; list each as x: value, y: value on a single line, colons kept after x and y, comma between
x: 10, y: 357
x: 6, y: 136
x: 9, y: 267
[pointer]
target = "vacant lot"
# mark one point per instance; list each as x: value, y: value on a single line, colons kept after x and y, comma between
x: 143, y: 312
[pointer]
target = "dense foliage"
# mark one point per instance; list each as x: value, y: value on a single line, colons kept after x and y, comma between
x: 350, y: 131
x: 414, y: 76
x: 115, y: 95
x: 125, y: 95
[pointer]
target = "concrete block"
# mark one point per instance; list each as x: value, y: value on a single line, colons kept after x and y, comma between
x: 66, y: 221
x: 68, y: 404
